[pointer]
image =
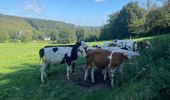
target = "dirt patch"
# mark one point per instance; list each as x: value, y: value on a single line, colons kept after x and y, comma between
x: 77, y: 79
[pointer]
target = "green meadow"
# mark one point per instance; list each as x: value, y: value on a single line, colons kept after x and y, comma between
x: 20, y: 76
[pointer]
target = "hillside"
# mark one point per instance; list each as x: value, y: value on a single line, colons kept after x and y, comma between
x: 13, y: 24
x: 16, y: 23
x: 37, y: 27
x: 40, y: 24
x: 59, y: 31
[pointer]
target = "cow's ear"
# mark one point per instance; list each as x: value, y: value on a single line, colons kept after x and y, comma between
x: 78, y: 43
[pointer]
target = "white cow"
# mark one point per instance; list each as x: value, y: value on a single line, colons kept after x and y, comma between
x: 130, y: 45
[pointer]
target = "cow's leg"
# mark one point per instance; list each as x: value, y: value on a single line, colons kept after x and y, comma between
x: 43, y: 74
x: 104, y: 73
x: 86, y: 74
x: 92, y: 74
x: 70, y: 69
x: 68, y: 61
x: 112, y: 72
x: 45, y: 70
x: 121, y: 67
x: 48, y: 67
x: 68, y: 72
x: 73, y: 66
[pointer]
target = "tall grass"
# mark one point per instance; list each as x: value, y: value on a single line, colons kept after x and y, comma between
x: 157, y: 84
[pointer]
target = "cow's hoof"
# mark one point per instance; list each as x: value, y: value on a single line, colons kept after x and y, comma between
x: 42, y: 81
x: 68, y: 78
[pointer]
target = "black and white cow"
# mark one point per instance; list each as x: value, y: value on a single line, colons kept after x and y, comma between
x: 132, y: 45
x: 60, y: 55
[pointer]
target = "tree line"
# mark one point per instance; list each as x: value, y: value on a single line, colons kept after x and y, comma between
x: 135, y: 21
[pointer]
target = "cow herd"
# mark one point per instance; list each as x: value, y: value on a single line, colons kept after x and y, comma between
x: 107, y: 57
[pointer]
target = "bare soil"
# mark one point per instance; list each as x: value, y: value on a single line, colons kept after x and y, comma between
x: 77, y: 79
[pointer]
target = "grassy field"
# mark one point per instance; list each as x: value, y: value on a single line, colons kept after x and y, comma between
x: 20, y: 76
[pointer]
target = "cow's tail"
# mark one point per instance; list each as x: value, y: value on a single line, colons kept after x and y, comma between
x: 41, y: 54
x: 39, y: 63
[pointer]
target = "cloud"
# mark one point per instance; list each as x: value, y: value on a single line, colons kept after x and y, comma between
x: 34, y: 6
x: 98, y: 1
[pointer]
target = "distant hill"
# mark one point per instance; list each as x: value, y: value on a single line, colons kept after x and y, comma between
x: 40, y: 24
x: 15, y: 23
x: 12, y: 23
x: 37, y: 29
x: 59, y: 31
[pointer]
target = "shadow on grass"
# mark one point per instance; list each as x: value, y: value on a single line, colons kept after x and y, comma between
x: 25, y: 83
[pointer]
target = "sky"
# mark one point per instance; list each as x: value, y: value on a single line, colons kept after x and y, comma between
x: 78, y: 12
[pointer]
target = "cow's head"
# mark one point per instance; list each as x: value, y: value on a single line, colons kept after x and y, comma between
x: 83, y: 44
x: 135, y: 46
x: 115, y: 41
x: 143, y: 45
x: 148, y: 44
x: 81, y: 50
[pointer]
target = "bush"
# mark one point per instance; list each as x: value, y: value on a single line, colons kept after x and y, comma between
x: 26, y: 36
x: 4, y: 36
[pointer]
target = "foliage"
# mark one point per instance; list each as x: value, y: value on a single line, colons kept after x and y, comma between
x: 59, y: 31
x: 136, y: 26
x: 26, y: 36
x: 124, y: 23
x: 80, y: 32
x: 88, y: 33
x: 38, y: 35
x: 4, y: 36
x: 13, y: 25
x: 158, y: 20
x: 133, y: 20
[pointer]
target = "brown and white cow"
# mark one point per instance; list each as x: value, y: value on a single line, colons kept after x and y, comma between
x: 105, y: 60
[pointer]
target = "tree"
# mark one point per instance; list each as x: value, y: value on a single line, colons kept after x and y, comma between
x: 26, y: 36
x: 38, y: 35
x: 165, y: 2
x: 136, y: 27
x: 54, y: 35
x: 158, y: 20
x: 123, y: 23
x: 80, y: 34
x: 107, y: 31
x: 4, y: 36
x: 13, y: 35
